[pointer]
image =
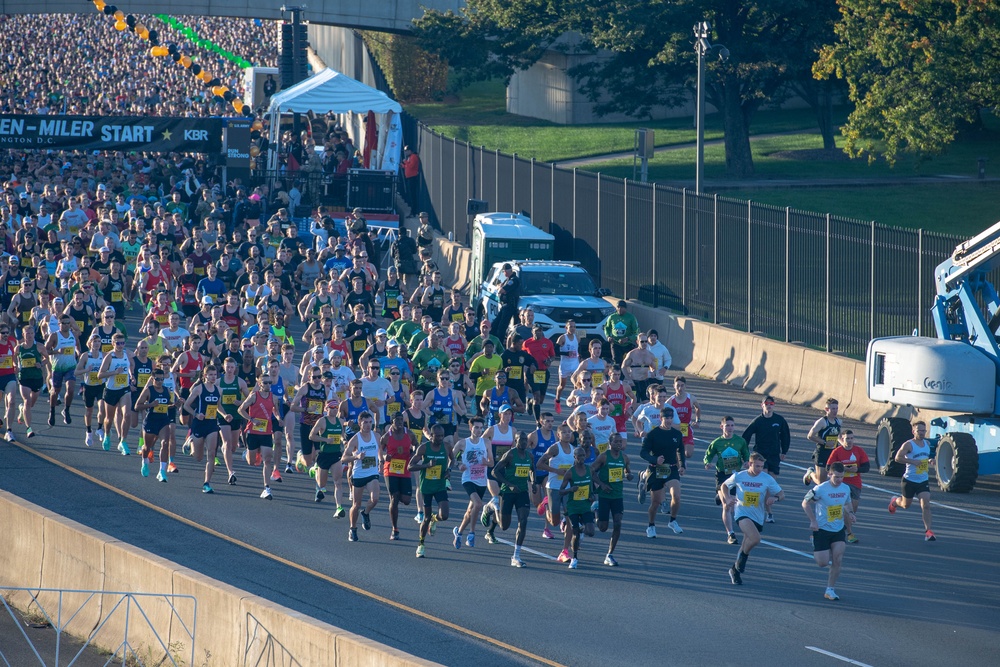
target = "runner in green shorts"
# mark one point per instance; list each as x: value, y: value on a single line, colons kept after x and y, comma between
x: 433, y: 461
x: 329, y: 433
x: 516, y: 471
x: 611, y: 469
x: 577, y: 484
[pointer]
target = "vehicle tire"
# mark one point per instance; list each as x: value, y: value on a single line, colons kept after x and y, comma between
x: 957, y: 462
x: 892, y: 433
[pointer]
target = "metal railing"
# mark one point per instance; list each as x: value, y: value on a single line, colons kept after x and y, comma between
x: 828, y: 282
x: 121, y: 623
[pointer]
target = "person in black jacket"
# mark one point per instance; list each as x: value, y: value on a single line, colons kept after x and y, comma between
x: 403, y: 252
x: 771, y: 436
x: 510, y: 295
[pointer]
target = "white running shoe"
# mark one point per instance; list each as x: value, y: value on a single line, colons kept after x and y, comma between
x: 515, y: 561
x: 676, y: 527
x: 266, y: 493
x: 651, y: 532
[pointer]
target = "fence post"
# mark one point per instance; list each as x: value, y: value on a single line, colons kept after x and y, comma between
x: 625, y: 250
x: 788, y: 243
x: 531, y: 181
x: 552, y: 195
x: 440, y: 180
x: 454, y: 190
x: 656, y: 278
x: 496, y: 179
x: 871, y: 296
x: 600, y: 266
x: 920, y: 278
x: 574, y: 211
x: 715, y: 258
x: 827, y: 282
x: 749, y: 266
x: 513, y: 183
x: 684, y: 253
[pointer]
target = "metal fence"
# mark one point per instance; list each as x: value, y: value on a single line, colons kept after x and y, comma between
x: 829, y: 282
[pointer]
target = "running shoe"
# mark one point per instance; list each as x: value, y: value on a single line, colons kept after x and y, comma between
x: 289, y: 469
x: 30, y: 433
x: 558, y: 407
x: 366, y: 522
x: 769, y: 518
x: 275, y: 476
x: 929, y: 537
x: 434, y: 524
x: 458, y: 537
x: 89, y: 440
x: 807, y: 478
x: 232, y: 480
x: 515, y: 561
x: 419, y: 518
x: 718, y: 500
x: 831, y: 594
x: 172, y: 467
x: 676, y: 527
x: 266, y: 493
x: 651, y: 532
x: 105, y: 442
x: 564, y: 556
x: 732, y: 539
x: 610, y: 561
x: 547, y: 534
x: 218, y: 462
x: 470, y: 540
x: 123, y: 448
x: 144, y: 468
x: 67, y: 418
x: 100, y: 434
x: 10, y: 437
x: 394, y: 535
x: 52, y: 417
x: 734, y: 576
x: 420, y: 551
x: 352, y: 534
x: 161, y: 477
x: 892, y: 505
x: 593, y: 507
x: 207, y: 488
x: 665, y: 507
x: 543, y: 506
x: 320, y: 495
x: 641, y: 486
x: 339, y: 513
x: 852, y: 538
x: 490, y: 538
x: 573, y: 563
x: 484, y: 517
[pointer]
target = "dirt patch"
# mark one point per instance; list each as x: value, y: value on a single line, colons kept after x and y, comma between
x: 814, y: 155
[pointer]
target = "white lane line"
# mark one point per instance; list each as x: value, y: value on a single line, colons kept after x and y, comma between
x: 838, y: 657
x: 528, y: 549
x: 788, y: 549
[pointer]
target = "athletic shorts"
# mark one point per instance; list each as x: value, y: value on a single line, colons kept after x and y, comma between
x: 440, y: 496
x: 184, y: 393
x: 59, y: 377
x: 639, y: 387
x: 363, y: 481
x: 578, y: 521
x: 134, y: 398
x: 33, y: 384
x: 236, y: 424
x: 113, y: 397
x: 305, y: 444
x: 6, y: 380
x: 513, y: 500
x: 92, y: 393
x: 772, y: 464
x: 855, y: 492
x: 555, y: 500
x: 608, y: 507
x: 540, y: 388
x: 473, y: 488
x: 326, y: 460
x: 821, y: 455
x: 760, y: 527
x: 202, y: 428
x: 399, y: 486
x: 257, y: 440
x: 276, y: 425
x: 657, y: 483
x: 154, y: 426
x: 913, y: 489
x: 823, y: 539
x: 721, y: 477
x: 449, y: 429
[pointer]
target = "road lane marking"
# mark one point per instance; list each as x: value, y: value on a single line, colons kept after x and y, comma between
x: 528, y: 549
x: 788, y: 549
x: 296, y: 566
x: 839, y: 657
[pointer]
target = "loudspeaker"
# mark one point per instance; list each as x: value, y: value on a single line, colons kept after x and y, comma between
x: 477, y: 206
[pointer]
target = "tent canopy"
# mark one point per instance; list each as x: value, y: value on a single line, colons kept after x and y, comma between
x: 329, y: 90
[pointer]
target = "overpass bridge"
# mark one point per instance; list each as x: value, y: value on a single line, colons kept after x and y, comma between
x: 380, y: 15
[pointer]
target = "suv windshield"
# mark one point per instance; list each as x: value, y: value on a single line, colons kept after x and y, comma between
x: 572, y: 283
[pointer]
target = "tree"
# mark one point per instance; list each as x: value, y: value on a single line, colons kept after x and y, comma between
x: 916, y: 70
x: 646, y: 51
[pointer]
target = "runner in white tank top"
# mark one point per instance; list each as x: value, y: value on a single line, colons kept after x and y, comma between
x: 569, y: 358
x: 475, y: 458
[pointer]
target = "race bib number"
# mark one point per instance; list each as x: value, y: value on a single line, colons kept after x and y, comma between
x: 28, y: 362
x: 360, y: 345
x: 229, y: 399
x: 663, y: 471
x: 392, y: 408
x: 406, y: 383
x: 539, y: 377
x: 6, y: 362
x: 143, y: 379
x: 160, y: 408
x: 106, y: 347
x: 685, y: 428
x: 522, y: 470
x: 500, y: 450
x: 25, y: 316
x: 315, y: 407
x: 831, y: 441
x: 397, y: 466
x: 834, y: 513
x: 121, y: 379
x: 582, y: 492
x: 596, y: 379
x: 477, y: 471
x: 199, y: 271
x: 565, y: 466
x: 81, y: 325
x: 341, y: 396
x: 614, y: 475
x: 602, y: 447
x: 730, y: 463
x: 67, y: 351
x: 211, y: 411
x: 13, y: 289
x: 368, y: 462
x: 751, y: 498
x: 92, y: 377
x: 116, y: 296
x: 458, y: 317
x: 434, y: 472
x: 335, y: 439
x: 515, y: 372
x: 259, y: 424
x: 922, y: 467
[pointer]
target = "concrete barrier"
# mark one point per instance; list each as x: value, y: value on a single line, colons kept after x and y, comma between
x: 728, y: 355
x: 775, y: 368
x: 233, y: 626
x: 826, y: 376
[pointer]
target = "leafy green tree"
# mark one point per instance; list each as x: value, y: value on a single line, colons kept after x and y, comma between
x: 916, y: 70
x: 645, y: 51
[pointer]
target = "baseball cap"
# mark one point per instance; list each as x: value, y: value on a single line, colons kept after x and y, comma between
x: 13, y: 259
x: 338, y: 353
x: 392, y: 343
x: 209, y: 300
x: 58, y: 299
x: 102, y: 186
x: 104, y: 248
x: 332, y: 403
x: 381, y: 332
x: 768, y: 399
x: 24, y: 195
x: 340, y: 246
x: 505, y: 408
x: 622, y: 304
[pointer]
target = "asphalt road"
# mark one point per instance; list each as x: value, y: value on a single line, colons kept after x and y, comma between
x: 904, y: 601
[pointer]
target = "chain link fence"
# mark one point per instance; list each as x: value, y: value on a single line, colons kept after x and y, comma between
x: 828, y: 282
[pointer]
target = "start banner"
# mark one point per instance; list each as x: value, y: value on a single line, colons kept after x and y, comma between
x: 112, y: 133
